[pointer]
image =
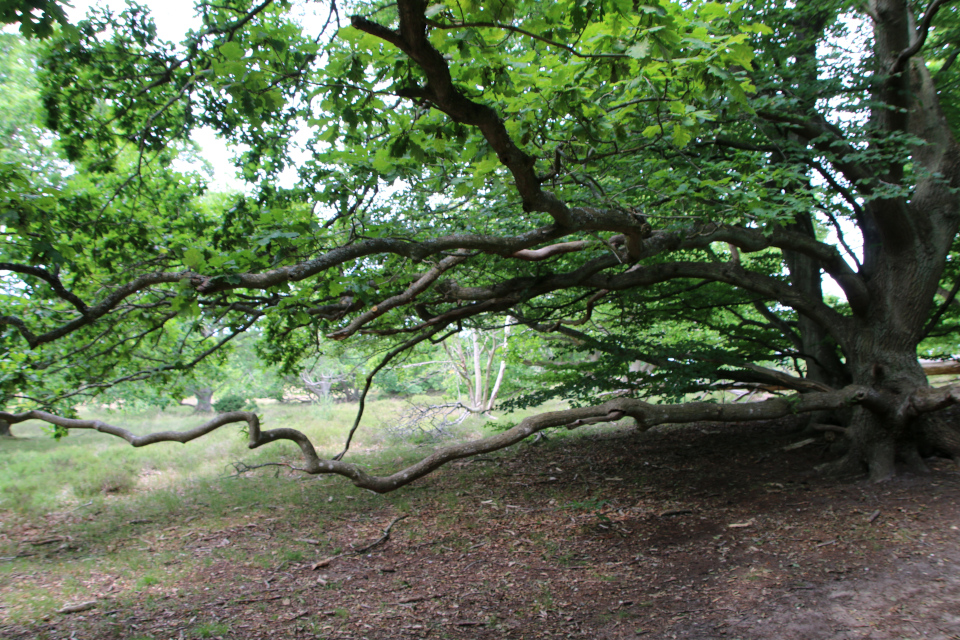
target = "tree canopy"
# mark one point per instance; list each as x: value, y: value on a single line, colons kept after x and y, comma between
x: 657, y: 190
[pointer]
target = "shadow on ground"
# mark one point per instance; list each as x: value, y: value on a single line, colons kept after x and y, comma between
x: 705, y: 531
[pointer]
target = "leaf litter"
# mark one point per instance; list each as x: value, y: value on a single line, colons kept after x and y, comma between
x: 709, y: 531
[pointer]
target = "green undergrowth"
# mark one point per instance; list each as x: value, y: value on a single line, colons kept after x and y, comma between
x: 88, y: 471
x: 38, y: 474
x: 115, y: 509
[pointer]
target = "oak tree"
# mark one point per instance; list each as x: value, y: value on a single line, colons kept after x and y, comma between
x: 663, y: 186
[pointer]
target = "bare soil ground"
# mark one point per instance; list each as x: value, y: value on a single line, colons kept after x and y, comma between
x: 696, y: 532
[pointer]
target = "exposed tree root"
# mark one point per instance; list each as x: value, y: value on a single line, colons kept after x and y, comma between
x: 913, y: 461
x: 847, y: 465
x: 941, y: 432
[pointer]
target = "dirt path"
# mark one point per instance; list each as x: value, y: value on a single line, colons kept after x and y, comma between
x: 699, y: 532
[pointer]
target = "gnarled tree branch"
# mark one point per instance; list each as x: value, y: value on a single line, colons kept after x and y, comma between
x: 645, y: 414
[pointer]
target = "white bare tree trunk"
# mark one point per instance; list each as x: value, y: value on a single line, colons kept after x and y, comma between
x: 477, y: 400
x: 503, y: 367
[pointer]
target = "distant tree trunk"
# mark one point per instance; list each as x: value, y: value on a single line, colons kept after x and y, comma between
x: 204, y: 397
x: 5, y: 429
x: 320, y: 388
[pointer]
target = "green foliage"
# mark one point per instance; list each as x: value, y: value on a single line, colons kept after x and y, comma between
x: 25, y: 13
x: 673, y: 145
x: 942, y: 60
x: 254, y: 84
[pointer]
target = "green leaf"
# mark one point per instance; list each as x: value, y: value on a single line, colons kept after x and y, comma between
x: 231, y: 51
x: 681, y: 136
x: 652, y: 131
x: 640, y: 50
x: 713, y: 10
x: 193, y: 258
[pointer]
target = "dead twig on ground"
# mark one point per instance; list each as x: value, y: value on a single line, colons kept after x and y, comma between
x: 355, y: 552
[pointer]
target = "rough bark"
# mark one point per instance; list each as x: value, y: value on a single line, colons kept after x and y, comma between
x: 889, y: 431
x: 5, y: 429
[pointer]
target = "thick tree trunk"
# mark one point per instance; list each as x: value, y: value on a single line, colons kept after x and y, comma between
x: 881, y: 438
x: 5, y: 429
x: 873, y: 444
x: 816, y: 346
x: 204, y: 397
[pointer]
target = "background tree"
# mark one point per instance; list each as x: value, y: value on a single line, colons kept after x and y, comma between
x: 478, y: 359
x: 594, y: 170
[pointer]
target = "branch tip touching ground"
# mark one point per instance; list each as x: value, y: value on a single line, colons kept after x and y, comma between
x: 646, y: 416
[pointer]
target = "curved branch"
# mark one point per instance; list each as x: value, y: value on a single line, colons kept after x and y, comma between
x: 789, y: 332
x: 921, y: 37
x: 588, y: 313
x: 829, y: 139
x: 257, y: 438
x: 785, y: 379
x: 415, y: 289
x: 764, y: 285
x: 97, y: 311
x: 751, y: 373
x: 949, y: 297
x: 643, y: 243
x: 843, y: 191
x: 442, y: 93
x: 826, y: 255
x: 947, y: 63
x: 646, y: 416
x: 294, y: 273
x: 50, y: 279
x: 511, y: 292
x: 20, y: 326
x: 535, y: 255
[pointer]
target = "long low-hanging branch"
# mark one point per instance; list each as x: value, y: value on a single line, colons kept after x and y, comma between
x: 646, y: 415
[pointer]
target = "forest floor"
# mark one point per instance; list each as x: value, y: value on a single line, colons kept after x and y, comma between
x: 704, y: 531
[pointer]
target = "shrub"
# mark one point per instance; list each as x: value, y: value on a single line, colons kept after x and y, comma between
x: 233, y: 402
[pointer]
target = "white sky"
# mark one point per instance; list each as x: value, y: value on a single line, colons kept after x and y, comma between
x: 173, y: 17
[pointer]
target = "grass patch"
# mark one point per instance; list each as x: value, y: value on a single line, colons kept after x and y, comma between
x: 211, y: 630
x: 39, y: 475
x: 147, y: 580
x: 133, y: 523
